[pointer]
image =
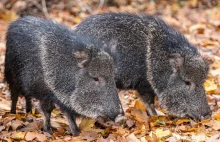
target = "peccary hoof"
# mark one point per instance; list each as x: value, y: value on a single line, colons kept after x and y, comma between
x: 75, y: 133
x: 13, y: 111
x: 48, y: 131
x: 151, y: 111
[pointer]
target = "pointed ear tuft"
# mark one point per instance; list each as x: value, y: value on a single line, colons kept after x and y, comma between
x: 82, y: 57
x: 176, y: 60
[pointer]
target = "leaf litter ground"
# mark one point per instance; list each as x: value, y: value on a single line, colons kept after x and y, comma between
x: 201, y: 27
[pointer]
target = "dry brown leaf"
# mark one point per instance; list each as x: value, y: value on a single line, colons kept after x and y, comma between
x: 152, y: 137
x: 33, y: 126
x: 210, y: 85
x: 160, y: 133
x: 139, y: 105
x: 86, y: 124
x: 122, y: 131
x: 2, y: 128
x: 130, y: 123
x: 41, y: 137
x: 18, y: 135
x: 89, y: 135
x: 214, y: 138
x: 132, y: 138
x: 60, y: 131
x: 216, y: 125
x: 139, y: 115
x: 200, y: 134
x: 8, y: 16
x: 216, y: 116
x: 181, y: 121
x: 30, y: 136
x: 210, y: 43
x: 60, y: 120
x: 5, y: 105
x: 54, y: 124
x: 16, y: 124
x: 193, y: 3
x: 184, y: 129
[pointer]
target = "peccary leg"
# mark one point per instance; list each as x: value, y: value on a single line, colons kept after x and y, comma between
x: 28, y: 104
x: 47, y: 107
x: 14, y: 99
x: 72, y: 122
x: 147, y: 95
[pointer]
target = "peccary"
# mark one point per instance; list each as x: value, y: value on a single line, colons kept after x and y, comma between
x: 51, y: 63
x: 154, y: 59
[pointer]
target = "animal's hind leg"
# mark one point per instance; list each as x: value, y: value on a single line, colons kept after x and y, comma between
x: 71, y: 117
x: 47, y: 107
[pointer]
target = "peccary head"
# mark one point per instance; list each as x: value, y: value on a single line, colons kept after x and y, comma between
x: 184, y: 95
x: 81, y: 76
x: 95, y: 95
x: 177, y: 72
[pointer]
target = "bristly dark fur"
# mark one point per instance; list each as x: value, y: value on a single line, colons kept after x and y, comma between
x: 154, y: 59
x: 53, y: 64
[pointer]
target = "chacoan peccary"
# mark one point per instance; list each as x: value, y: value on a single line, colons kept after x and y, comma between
x: 51, y: 63
x: 154, y: 59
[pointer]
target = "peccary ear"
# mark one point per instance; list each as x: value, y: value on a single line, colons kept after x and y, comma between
x: 176, y: 60
x: 82, y: 57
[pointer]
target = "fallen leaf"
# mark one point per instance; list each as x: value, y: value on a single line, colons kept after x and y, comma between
x: 216, y: 125
x: 152, y: 137
x: 130, y: 123
x: 30, y: 136
x: 139, y: 105
x: 18, y: 135
x: 8, y: 15
x: 132, y: 138
x: 5, y: 105
x: 216, y: 116
x: 214, y: 138
x: 181, y: 121
x: 41, y: 137
x: 210, y: 86
x: 86, y: 124
x: 17, y: 124
x: 2, y: 128
x: 139, y: 115
x: 89, y: 135
x: 33, y: 126
x: 160, y: 133
x: 200, y: 134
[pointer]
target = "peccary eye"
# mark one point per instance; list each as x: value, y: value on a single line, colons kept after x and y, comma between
x: 96, y: 78
x: 187, y: 83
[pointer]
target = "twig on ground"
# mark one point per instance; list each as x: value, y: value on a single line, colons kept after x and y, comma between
x: 42, y: 7
x: 87, y: 7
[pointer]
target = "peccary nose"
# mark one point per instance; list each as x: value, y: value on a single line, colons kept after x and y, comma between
x: 120, y: 118
x: 206, y: 116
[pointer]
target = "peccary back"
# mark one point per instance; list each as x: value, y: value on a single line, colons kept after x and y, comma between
x: 53, y: 64
x: 154, y: 59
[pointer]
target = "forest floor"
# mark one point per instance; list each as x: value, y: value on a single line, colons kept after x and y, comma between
x: 199, y: 22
